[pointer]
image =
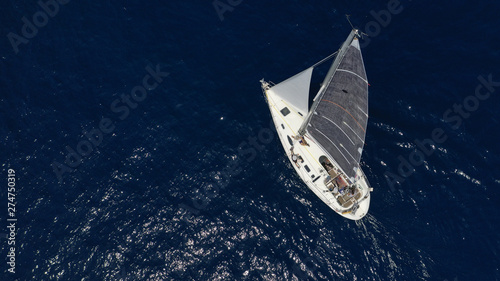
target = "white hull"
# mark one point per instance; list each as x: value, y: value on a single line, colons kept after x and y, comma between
x: 311, y: 171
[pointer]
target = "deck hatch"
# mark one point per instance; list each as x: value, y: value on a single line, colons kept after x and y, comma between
x: 285, y: 111
x: 307, y: 168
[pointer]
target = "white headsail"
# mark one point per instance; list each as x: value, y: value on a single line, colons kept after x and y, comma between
x: 295, y: 90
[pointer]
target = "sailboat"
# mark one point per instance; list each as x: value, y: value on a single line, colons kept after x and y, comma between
x: 324, y: 141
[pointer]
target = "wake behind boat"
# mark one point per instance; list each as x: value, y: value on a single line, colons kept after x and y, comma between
x: 324, y: 142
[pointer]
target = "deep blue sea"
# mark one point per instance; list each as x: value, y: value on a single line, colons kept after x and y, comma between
x: 123, y: 124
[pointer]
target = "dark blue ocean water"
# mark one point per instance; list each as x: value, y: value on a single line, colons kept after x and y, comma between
x: 136, y: 207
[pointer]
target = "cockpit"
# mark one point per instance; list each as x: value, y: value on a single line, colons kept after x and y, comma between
x: 345, y: 192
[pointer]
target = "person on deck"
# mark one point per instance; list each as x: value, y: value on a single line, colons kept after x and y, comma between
x: 302, y: 141
x: 296, y: 157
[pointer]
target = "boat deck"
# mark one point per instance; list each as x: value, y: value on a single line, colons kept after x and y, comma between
x: 287, y: 120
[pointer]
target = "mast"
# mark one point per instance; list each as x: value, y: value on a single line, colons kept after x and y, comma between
x: 327, y: 80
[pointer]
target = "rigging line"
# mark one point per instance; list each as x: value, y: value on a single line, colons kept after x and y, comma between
x: 349, y: 114
x: 309, y: 138
x: 325, y: 59
x: 349, y: 20
x: 311, y: 153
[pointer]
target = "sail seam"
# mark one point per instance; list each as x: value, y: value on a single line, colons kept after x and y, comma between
x: 348, y: 113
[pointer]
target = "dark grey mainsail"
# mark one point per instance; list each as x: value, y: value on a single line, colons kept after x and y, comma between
x: 339, y: 115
